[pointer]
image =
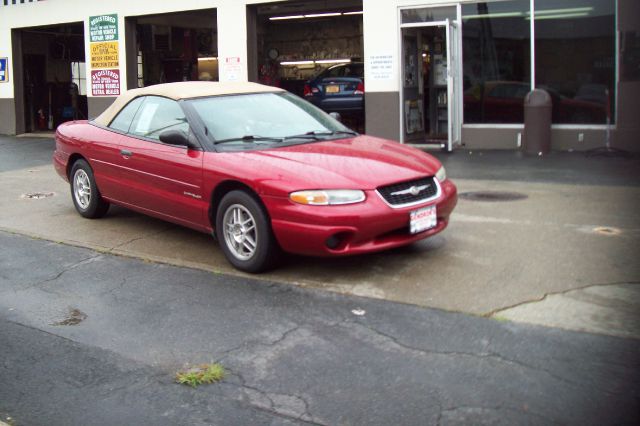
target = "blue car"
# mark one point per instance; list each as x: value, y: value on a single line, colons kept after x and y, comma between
x: 339, y: 88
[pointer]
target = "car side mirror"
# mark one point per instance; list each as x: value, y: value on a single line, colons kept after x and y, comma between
x: 336, y: 116
x: 177, y: 137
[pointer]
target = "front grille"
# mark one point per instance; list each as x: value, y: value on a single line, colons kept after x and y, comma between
x: 400, y: 194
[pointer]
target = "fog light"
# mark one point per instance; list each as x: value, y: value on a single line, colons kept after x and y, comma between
x: 333, y: 242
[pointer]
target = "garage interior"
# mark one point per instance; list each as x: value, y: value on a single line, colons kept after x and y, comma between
x: 290, y: 43
x: 172, y: 47
x: 50, y: 83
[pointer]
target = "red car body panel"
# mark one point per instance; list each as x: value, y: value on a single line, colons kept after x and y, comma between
x: 177, y: 184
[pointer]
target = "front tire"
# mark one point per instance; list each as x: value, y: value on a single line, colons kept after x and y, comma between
x: 244, y: 232
x: 85, y: 193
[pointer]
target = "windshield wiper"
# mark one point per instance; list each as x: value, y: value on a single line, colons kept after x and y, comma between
x: 334, y: 132
x: 250, y: 138
x: 317, y: 134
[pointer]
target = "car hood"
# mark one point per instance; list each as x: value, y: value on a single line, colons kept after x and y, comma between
x: 362, y: 162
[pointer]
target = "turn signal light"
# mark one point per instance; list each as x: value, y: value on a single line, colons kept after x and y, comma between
x: 317, y: 198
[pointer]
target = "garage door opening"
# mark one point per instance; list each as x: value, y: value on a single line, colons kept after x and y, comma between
x: 313, y: 49
x: 172, y: 47
x: 50, y: 84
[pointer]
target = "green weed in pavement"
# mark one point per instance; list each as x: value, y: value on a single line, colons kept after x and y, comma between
x: 205, y: 373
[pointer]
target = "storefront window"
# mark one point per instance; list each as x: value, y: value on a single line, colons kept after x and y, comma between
x: 496, y: 61
x: 431, y: 14
x: 575, y: 58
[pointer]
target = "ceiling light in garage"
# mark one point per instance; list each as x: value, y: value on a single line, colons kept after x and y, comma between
x: 319, y: 61
x: 333, y: 61
x: 314, y: 15
x: 322, y: 15
x: 280, y: 18
x: 297, y: 63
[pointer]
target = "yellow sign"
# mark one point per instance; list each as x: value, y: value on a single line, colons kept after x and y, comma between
x: 104, y: 55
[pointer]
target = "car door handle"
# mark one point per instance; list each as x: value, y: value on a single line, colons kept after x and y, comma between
x: 126, y: 153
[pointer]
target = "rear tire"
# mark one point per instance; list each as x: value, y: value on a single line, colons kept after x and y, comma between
x: 244, y: 232
x: 85, y: 193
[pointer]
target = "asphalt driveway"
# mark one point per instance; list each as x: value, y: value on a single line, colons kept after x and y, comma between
x: 292, y: 355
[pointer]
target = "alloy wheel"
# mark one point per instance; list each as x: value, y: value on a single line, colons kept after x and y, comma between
x: 240, y: 232
x: 82, y: 189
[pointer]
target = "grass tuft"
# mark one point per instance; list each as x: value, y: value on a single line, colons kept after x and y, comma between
x: 204, y: 373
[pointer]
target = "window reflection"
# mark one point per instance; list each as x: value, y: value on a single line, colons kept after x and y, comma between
x: 575, y: 58
x: 431, y: 14
x: 496, y: 61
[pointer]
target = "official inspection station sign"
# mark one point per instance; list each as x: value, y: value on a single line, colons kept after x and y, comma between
x: 103, y: 28
x: 104, y: 55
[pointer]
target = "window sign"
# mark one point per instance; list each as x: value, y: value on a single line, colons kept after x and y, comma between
x: 381, y: 67
x: 103, y: 28
x: 232, y: 68
x: 4, y: 70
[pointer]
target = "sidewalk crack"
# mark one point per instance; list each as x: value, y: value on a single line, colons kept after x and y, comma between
x: 496, y: 311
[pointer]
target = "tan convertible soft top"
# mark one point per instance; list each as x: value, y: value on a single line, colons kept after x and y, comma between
x: 182, y: 90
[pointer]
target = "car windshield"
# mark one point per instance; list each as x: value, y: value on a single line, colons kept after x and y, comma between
x: 249, y: 121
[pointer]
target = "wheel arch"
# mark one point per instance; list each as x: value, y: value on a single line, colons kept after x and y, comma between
x: 222, y: 189
x: 72, y: 160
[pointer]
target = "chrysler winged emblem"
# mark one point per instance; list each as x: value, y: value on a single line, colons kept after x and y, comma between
x: 414, y: 190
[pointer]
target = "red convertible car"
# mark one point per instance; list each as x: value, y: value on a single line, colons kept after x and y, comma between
x: 260, y: 168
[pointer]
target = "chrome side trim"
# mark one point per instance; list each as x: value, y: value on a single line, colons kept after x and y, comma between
x: 414, y: 203
x: 145, y: 173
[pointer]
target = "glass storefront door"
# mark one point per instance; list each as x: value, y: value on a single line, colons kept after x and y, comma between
x: 431, y: 92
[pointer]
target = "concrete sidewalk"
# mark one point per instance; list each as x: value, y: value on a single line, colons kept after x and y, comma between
x: 564, y: 256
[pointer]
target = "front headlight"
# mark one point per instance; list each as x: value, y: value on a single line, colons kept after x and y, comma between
x: 327, y: 197
x: 441, y: 174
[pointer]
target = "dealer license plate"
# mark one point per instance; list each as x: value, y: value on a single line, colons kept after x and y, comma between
x: 332, y: 88
x: 422, y: 219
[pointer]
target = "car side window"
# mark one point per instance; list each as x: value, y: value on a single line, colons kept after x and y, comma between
x: 156, y: 115
x: 122, y: 122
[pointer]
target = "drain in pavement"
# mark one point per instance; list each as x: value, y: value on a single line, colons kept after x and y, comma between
x: 37, y: 195
x: 492, y: 196
x: 74, y: 317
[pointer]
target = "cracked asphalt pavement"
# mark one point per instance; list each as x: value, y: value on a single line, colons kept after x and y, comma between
x: 293, y: 355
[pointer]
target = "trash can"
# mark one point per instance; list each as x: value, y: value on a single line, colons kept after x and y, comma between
x: 537, y: 123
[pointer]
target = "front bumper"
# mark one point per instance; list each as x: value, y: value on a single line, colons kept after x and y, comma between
x: 360, y: 228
